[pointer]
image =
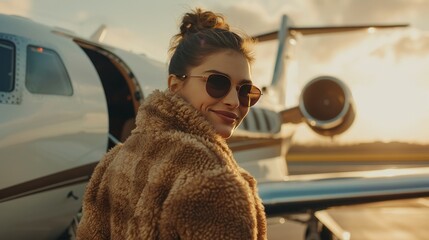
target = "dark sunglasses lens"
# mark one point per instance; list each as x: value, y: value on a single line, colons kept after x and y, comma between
x: 218, y: 86
x: 248, y: 95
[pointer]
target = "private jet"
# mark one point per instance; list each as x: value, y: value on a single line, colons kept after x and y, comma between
x: 65, y: 100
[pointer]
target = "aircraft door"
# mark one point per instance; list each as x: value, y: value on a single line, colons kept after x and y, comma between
x: 123, y: 94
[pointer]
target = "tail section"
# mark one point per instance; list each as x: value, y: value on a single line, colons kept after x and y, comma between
x: 287, y: 31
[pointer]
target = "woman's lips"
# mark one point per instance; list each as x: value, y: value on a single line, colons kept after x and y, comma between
x: 228, y: 117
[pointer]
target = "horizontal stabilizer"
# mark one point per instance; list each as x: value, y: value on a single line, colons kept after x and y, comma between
x: 323, y: 30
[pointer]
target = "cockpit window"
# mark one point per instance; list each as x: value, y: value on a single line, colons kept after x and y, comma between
x: 7, y: 66
x: 46, y: 73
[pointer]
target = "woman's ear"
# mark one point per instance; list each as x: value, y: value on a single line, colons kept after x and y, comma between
x: 174, y: 83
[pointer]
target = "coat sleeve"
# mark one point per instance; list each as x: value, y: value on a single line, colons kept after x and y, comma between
x: 215, y: 204
x: 93, y: 224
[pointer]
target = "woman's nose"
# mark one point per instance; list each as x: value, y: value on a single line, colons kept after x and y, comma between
x: 231, y: 99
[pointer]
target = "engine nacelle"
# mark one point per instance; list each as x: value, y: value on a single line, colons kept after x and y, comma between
x: 327, y: 106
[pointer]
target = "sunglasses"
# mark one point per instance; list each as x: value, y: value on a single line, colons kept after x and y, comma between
x: 218, y: 86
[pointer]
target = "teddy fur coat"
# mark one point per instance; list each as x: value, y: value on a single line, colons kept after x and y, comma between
x: 173, y: 178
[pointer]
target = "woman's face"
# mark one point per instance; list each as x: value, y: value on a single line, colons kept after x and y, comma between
x: 224, y: 113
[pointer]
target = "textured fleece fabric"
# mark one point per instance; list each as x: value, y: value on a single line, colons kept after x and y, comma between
x: 173, y: 178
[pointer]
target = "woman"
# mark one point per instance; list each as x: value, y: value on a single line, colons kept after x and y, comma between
x: 175, y: 177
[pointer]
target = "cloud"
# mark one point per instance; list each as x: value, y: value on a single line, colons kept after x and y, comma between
x: 82, y: 16
x: 412, y: 43
x: 257, y: 17
x: 325, y: 48
x: 370, y: 12
x: 137, y: 42
x: 351, y: 12
x: 21, y: 8
x: 260, y: 16
x: 385, y: 10
x: 250, y: 17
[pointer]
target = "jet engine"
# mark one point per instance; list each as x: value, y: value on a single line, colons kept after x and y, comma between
x: 326, y: 104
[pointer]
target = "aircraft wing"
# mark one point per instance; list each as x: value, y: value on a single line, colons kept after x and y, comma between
x: 323, y: 30
x: 301, y: 193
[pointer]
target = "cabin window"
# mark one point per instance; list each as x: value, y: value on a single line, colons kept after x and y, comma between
x: 7, y: 66
x: 46, y: 73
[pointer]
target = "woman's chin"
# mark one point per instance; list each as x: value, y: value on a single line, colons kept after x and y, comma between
x: 225, y: 132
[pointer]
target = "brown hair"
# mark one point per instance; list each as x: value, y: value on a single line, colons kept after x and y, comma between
x: 203, y: 33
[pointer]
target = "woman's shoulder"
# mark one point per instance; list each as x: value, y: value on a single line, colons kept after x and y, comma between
x: 222, y: 186
x: 218, y: 179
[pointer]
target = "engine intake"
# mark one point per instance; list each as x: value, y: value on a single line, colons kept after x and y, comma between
x: 326, y: 104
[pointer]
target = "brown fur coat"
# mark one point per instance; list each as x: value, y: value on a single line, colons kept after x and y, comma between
x: 174, y: 178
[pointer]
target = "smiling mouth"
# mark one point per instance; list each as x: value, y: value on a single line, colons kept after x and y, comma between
x: 227, y: 117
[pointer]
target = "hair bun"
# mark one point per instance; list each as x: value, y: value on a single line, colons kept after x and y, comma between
x: 198, y: 20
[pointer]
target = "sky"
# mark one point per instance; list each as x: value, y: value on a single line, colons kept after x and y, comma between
x: 386, y: 71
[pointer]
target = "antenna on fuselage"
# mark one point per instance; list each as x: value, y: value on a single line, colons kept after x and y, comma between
x: 99, y: 34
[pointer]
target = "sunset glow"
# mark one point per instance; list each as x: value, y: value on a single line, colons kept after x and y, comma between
x: 388, y: 86
x: 386, y: 70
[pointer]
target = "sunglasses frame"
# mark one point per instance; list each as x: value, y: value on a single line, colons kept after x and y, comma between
x: 206, y: 78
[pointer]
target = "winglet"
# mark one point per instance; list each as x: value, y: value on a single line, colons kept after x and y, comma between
x: 99, y: 34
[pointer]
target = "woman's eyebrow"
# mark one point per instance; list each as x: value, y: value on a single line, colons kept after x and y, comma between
x: 243, y: 81
x: 216, y: 71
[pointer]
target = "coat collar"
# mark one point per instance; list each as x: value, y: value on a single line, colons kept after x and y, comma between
x: 167, y: 111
